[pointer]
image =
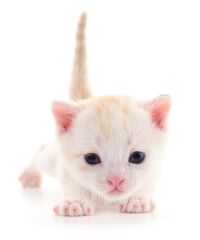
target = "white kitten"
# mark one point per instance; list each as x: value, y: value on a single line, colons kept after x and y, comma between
x: 108, y: 150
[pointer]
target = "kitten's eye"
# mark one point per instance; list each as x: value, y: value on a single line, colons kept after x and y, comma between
x: 136, y: 157
x: 92, y: 158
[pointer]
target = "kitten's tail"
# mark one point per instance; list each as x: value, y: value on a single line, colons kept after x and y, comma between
x: 79, y: 88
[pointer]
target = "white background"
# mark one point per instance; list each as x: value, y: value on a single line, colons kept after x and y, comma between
x: 141, y: 48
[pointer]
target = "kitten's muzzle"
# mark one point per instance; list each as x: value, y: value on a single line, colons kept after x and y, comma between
x: 115, y: 181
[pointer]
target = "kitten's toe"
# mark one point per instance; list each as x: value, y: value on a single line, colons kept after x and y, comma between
x: 30, y: 180
x: 137, y: 205
x: 74, y: 209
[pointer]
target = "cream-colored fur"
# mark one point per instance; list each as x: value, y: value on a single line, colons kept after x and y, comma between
x: 79, y: 88
x: 112, y: 127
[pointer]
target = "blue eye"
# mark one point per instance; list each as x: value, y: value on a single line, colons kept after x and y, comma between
x: 136, y: 157
x: 92, y: 158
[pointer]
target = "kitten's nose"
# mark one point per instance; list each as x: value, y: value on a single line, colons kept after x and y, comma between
x: 115, y: 181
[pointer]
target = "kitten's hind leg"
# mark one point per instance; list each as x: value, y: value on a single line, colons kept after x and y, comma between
x: 30, y: 178
x: 45, y: 160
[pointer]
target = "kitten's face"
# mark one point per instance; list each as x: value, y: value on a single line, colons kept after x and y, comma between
x: 113, y: 128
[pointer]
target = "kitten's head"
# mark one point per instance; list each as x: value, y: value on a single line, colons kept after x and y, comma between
x: 113, y: 145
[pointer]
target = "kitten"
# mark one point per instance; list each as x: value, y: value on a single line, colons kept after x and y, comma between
x: 108, y: 150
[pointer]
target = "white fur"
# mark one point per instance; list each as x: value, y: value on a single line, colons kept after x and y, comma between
x: 65, y: 157
x: 112, y: 127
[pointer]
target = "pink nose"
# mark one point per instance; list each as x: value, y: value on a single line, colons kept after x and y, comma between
x: 115, y: 181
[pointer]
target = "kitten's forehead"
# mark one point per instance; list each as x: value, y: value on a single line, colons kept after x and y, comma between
x: 115, y: 119
x: 113, y: 123
x: 112, y: 115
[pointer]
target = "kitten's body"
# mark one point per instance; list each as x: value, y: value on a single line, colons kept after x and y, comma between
x: 112, y: 127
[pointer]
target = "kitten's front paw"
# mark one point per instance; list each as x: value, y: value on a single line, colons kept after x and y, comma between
x: 30, y: 180
x: 74, y: 209
x: 137, y: 205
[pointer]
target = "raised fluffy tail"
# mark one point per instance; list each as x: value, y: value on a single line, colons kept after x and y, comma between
x: 79, y: 88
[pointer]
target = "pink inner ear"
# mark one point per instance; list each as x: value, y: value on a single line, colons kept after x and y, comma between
x: 159, y: 110
x: 64, y: 115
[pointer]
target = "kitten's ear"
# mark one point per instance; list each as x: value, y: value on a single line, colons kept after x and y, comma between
x: 159, y: 109
x: 64, y: 114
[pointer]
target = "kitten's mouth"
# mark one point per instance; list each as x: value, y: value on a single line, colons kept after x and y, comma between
x: 115, y: 191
